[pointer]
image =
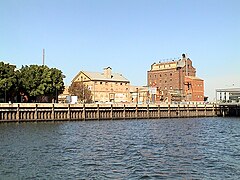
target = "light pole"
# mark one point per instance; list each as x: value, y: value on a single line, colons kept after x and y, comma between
x: 56, y: 99
x: 56, y: 95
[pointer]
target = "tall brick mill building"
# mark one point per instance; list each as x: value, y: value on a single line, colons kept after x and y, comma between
x: 175, y: 81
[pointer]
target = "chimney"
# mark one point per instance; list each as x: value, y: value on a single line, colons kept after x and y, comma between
x: 183, y: 56
x: 107, y: 72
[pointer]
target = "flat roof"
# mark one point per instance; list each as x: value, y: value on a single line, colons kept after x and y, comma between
x: 228, y: 90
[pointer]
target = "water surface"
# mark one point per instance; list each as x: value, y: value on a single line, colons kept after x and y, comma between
x: 199, y: 148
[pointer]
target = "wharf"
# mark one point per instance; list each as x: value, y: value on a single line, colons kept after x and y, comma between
x: 31, y: 112
x: 229, y: 109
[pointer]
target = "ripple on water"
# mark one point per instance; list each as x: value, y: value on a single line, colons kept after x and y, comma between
x: 204, y: 148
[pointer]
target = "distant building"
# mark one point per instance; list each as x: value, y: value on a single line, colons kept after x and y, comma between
x: 175, y: 81
x: 139, y: 94
x: 62, y: 97
x: 230, y: 95
x: 105, y: 86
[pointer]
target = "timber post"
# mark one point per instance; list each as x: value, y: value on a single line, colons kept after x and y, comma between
x: 148, y: 114
x: 178, y: 111
x: 18, y: 113
x: 205, y: 110
x: 53, y: 111
x: 69, y: 112
x: 136, y: 112
x: 213, y: 110
x: 36, y: 112
x: 159, y: 112
x: 84, y: 112
x: 196, y: 110
x: 124, y: 111
x: 169, y: 111
x: 98, y: 112
x: 111, y: 113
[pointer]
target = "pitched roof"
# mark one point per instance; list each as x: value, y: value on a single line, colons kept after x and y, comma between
x: 97, y: 76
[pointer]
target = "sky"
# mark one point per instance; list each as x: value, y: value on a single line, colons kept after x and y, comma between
x: 127, y: 35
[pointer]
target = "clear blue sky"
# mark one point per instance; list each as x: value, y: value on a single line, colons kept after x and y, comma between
x: 128, y: 35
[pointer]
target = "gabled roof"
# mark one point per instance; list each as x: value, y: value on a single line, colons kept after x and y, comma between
x: 97, y: 76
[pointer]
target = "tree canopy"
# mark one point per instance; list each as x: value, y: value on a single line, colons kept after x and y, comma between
x: 31, y: 82
x: 8, y: 80
x: 81, y: 91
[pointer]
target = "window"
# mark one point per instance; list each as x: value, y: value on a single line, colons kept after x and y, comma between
x: 170, y: 74
x: 120, y: 83
x: 160, y: 75
x: 100, y: 82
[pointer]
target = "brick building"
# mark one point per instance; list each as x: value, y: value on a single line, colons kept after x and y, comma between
x: 105, y: 86
x: 175, y: 81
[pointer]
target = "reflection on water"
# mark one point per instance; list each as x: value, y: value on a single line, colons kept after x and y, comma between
x: 200, y: 148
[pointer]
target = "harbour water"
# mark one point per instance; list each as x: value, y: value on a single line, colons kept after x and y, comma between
x: 194, y: 148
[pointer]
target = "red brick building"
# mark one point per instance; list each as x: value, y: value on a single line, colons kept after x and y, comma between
x: 175, y: 81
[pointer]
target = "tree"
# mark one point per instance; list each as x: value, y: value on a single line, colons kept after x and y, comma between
x: 8, y: 81
x: 37, y: 83
x: 81, y: 91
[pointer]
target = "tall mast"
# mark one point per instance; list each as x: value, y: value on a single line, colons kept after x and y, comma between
x: 43, y: 56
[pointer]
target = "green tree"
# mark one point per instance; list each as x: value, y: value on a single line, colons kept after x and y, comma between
x: 81, y: 91
x: 38, y: 82
x: 8, y: 82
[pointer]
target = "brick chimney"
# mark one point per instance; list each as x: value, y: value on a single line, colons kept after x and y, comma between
x: 107, y: 72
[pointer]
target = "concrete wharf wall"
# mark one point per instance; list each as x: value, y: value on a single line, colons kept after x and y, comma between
x: 80, y: 112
